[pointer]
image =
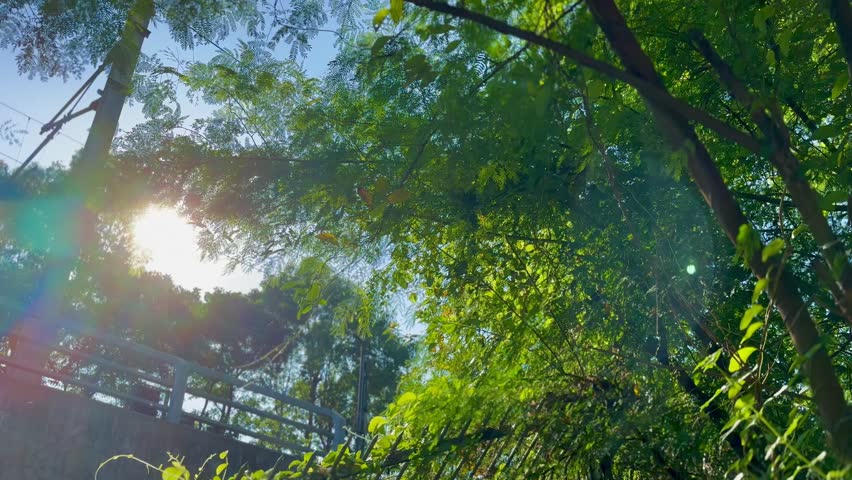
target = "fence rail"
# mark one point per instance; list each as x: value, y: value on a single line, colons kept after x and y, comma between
x: 169, y: 377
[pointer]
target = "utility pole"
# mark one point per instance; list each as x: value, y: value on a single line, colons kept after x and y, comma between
x: 360, y: 426
x: 122, y: 58
x: 40, y: 323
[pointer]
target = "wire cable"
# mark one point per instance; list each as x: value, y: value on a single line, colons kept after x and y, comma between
x: 30, y: 117
x: 54, y: 130
x: 21, y: 145
x: 16, y: 161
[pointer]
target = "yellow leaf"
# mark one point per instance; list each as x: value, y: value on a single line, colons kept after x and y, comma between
x: 366, y: 196
x: 382, y: 185
x: 396, y: 10
x: 399, y: 196
x: 380, y: 17
x: 328, y: 237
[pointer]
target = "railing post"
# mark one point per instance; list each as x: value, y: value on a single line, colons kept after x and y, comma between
x: 178, y: 390
x: 338, y: 424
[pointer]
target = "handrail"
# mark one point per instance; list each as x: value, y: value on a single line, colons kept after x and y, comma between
x: 249, y: 433
x: 176, y: 387
x: 101, y: 360
x: 224, y: 401
x: 81, y: 383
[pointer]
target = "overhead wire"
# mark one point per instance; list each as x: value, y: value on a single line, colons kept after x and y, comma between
x: 11, y: 158
x: 54, y: 129
x: 21, y: 145
x: 34, y: 119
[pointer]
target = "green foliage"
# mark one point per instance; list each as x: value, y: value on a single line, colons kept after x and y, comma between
x: 534, y: 214
x: 541, y: 221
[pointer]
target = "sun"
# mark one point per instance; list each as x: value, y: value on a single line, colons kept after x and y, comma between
x: 159, y: 232
x: 168, y: 244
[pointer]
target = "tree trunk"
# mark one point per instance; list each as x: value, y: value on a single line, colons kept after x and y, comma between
x: 841, y: 13
x: 804, y: 197
x: 827, y: 392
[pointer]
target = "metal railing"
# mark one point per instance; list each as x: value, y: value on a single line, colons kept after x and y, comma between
x: 304, y: 427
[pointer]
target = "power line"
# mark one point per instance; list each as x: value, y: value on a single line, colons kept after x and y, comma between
x: 21, y: 144
x: 15, y: 160
x: 37, y: 121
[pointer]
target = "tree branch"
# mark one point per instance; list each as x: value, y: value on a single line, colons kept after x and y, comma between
x: 828, y: 395
x: 841, y: 13
x: 646, y: 88
x: 788, y: 165
x: 777, y: 201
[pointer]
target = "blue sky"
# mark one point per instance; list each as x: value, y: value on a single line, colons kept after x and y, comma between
x: 27, y: 102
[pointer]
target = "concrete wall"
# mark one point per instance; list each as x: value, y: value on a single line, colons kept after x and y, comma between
x: 46, y: 434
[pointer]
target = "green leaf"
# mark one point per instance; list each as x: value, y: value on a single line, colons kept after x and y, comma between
x: 326, y: 461
x: 747, y: 241
x: 595, y: 89
x: 826, y: 131
x: 396, y: 10
x: 380, y: 17
x: 759, y: 287
x: 830, y: 198
x: 221, y: 468
x: 406, y: 398
x: 761, y: 16
x: 744, y: 402
x: 793, y: 426
x: 313, y: 292
x: 749, y: 315
x: 735, y: 388
x: 223, y: 455
x: 376, y: 423
x: 774, y: 247
x: 708, y: 362
x: 784, y: 40
x: 379, y: 44
x: 840, y: 84
x: 754, y: 327
x: 176, y: 472
x: 740, y: 358
x: 452, y: 46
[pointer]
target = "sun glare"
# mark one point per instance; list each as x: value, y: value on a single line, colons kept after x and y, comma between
x: 158, y: 230
x: 169, y: 244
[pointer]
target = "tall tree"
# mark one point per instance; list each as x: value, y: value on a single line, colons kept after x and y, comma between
x: 521, y: 168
